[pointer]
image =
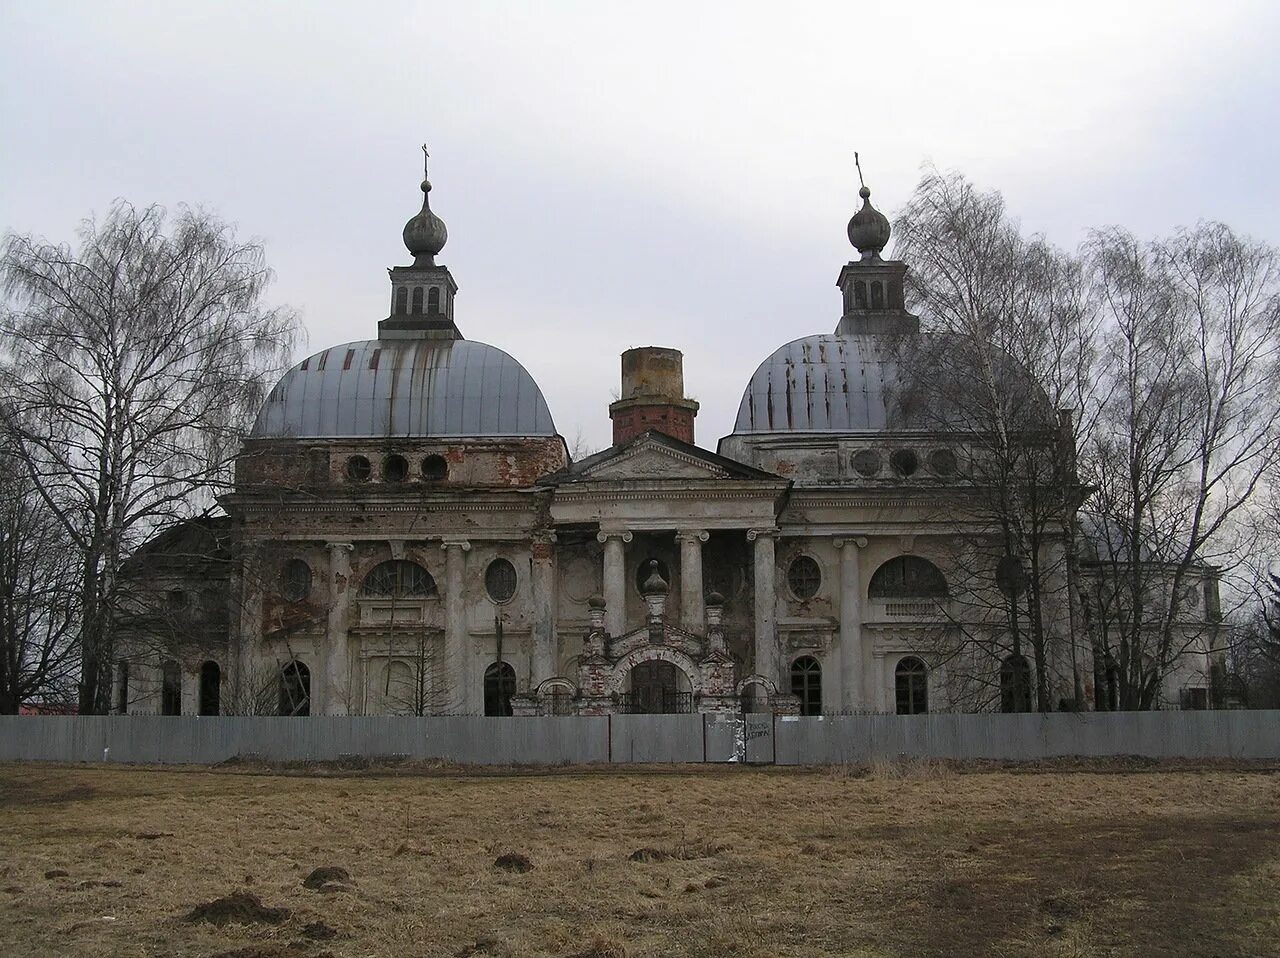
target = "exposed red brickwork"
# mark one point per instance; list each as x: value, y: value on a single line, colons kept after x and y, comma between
x: 631, y: 421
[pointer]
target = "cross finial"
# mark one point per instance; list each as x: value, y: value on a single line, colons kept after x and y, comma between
x: 425, y: 156
x: 861, y: 181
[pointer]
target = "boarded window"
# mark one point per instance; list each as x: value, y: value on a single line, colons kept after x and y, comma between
x: 402, y: 300
x: 295, y: 689
x: 433, y: 300
x: 417, y: 299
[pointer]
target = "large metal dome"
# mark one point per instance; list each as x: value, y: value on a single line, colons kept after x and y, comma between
x: 821, y: 384
x: 406, y: 388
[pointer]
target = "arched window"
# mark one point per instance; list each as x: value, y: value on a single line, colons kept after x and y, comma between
x: 295, y: 689
x: 499, y: 686
x: 399, y: 579
x: 122, y: 687
x: 435, y: 468
x: 877, y: 295
x: 908, y: 577
x: 402, y: 300
x: 911, y: 686
x: 806, y: 684
x: 1015, y: 684
x: 433, y: 300
x: 417, y: 299
x: 860, y: 294
x: 210, y: 688
x: 171, y: 689
x: 295, y: 580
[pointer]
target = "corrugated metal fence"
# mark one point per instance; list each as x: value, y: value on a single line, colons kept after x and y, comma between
x: 641, y: 738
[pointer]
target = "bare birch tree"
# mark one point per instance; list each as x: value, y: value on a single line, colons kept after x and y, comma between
x: 38, y: 655
x: 1189, y: 385
x: 1003, y: 362
x: 131, y: 367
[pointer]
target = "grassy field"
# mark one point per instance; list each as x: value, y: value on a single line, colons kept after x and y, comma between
x: 891, y: 861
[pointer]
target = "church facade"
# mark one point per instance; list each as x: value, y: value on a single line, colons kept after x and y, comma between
x: 407, y: 534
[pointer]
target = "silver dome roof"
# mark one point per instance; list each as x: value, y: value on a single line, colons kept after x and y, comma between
x: 405, y: 388
x: 821, y: 384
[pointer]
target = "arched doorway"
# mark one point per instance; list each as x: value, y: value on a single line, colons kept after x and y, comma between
x: 1015, y: 684
x: 210, y: 688
x: 295, y: 689
x: 171, y: 688
x: 499, y: 686
x: 657, y: 687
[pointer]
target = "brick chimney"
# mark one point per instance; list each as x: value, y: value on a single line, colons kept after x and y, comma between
x: 653, y: 396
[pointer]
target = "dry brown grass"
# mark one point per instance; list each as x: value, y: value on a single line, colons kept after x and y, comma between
x: 921, y: 860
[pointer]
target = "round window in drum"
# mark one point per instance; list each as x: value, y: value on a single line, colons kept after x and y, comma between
x: 358, y: 468
x: 866, y: 462
x: 804, y: 576
x: 904, y: 461
x: 943, y: 462
x: 500, y: 580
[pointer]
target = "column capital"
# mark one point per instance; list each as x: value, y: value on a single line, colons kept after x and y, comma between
x: 692, y: 535
x: 754, y: 534
x: 604, y: 535
x: 339, y: 547
x: 840, y: 542
x: 463, y: 544
x: 544, y: 536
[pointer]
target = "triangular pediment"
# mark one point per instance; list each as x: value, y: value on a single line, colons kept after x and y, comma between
x: 654, y: 462
x: 656, y: 456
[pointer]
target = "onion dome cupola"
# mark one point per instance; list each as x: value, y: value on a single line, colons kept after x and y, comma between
x: 872, y: 286
x: 422, y: 293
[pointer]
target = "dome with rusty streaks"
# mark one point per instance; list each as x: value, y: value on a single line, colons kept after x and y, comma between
x: 410, y: 388
x: 821, y: 384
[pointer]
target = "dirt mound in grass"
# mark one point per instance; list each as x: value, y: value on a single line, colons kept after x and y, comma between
x: 648, y: 855
x: 513, y: 862
x: 238, y: 908
x: 294, y: 949
x: 327, y: 875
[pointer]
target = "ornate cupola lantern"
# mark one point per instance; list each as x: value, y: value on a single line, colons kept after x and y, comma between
x: 872, y: 287
x: 422, y: 293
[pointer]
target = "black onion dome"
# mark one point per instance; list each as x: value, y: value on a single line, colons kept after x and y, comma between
x: 425, y: 234
x: 869, y: 228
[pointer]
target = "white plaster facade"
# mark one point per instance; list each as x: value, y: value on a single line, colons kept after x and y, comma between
x: 406, y: 521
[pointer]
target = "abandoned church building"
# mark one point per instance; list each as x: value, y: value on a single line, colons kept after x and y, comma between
x: 407, y: 534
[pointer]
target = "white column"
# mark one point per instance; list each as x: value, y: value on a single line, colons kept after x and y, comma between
x: 766, y: 646
x: 544, y: 604
x: 857, y: 688
x: 457, y: 657
x: 615, y: 580
x: 692, y: 608
x: 335, y: 687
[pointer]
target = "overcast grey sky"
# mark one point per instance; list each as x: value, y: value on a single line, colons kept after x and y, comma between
x: 675, y: 174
